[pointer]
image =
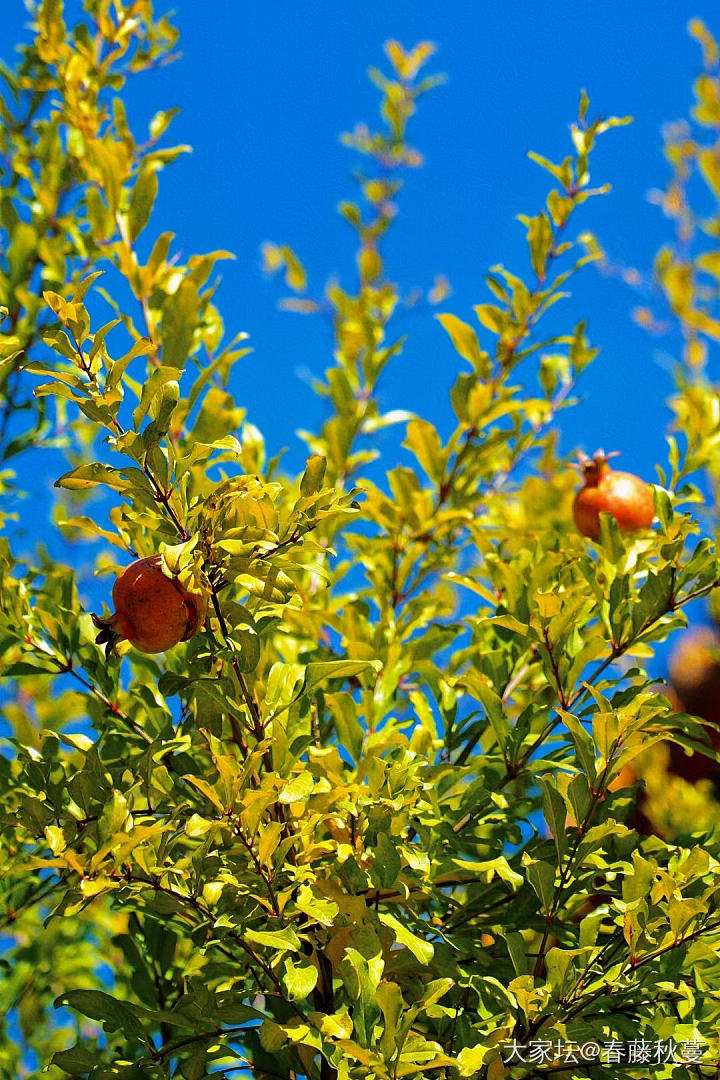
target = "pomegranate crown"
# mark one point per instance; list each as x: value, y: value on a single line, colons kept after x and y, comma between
x: 593, y: 466
x: 108, y: 635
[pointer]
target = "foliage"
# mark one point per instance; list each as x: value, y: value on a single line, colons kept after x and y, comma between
x: 365, y: 824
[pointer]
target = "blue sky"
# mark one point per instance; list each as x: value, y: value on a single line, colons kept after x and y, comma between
x: 264, y: 92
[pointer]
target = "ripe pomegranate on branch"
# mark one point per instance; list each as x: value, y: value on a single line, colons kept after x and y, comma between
x: 694, y: 669
x: 153, y: 612
x: 624, y: 495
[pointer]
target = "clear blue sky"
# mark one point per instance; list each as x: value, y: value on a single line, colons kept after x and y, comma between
x: 264, y: 91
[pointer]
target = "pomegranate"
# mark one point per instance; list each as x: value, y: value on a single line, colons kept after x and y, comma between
x: 694, y: 668
x: 628, y: 498
x: 152, y: 611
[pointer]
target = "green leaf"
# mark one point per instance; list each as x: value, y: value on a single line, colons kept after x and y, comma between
x: 464, y: 339
x: 558, y: 961
x: 317, y: 673
x: 162, y: 408
x: 481, y: 689
x: 489, y: 869
x: 249, y: 641
x: 142, y: 347
x: 509, y: 622
x: 299, y: 981
x: 579, y: 796
x: 583, y: 743
x: 160, y: 122
x: 337, y: 1026
x: 298, y: 789
x: 90, y: 476
x: 663, y: 506
x: 27, y: 667
x: 152, y: 387
x: 195, y: 1068
x: 272, y: 1036
x: 314, y: 474
x: 387, y: 862
x: 349, y: 729
x: 312, y: 903
x: 541, y: 876
x: 424, y: 441
x: 637, y: 885
x: 76, y: 1060
x: 471, y: 1058
x: 361, y: 977
x: 98, y: 339
x: 516, y: 948
x: 558, y: 171
x: 555, y: 812
x: 142, y: 201
x: 491, y: 317
x: 198, y: 826
x: 540, y: 239
x: 180, y: 316
x: 115, y: 1015
x: 421, y: 950
x: 275, y: 939
x: 389, y: 998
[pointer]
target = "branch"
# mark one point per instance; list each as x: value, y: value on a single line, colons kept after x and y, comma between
x: 567, y: 868
x: 672, y: 604
x: 42, y: 891
x: 66, y: 668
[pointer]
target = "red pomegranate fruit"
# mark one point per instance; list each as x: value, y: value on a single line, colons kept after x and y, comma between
x: 694, y: 669
x: 628, y: 498
x: 152, y: 611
